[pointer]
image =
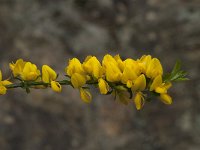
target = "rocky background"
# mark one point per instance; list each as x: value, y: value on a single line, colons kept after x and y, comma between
x: 52, y: 31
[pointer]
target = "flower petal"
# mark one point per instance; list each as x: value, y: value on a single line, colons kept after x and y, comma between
x: 156, y: 82
x: 78, y: 80
x: 139, y: 100
x: 129, y: 83
x: 48, y: 74
x: 2, y: 90
x: 139, y: 84
x: 85, y: 95
x: 93, y: 67
x: 160, y: 90
x: 56, y: 86
x: 30, y: 72
x: 6, y: 82
x: 165, y: 98
x: 154, y: 68
x: 112, y: 71
x: 103, y: 86
x: 74, y: 66
x: 167, y: 85
x: 17, y: 67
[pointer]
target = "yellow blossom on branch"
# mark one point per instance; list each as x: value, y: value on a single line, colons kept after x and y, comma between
x: 49, y: 76
x: 128, y: 80
x: 93, y: 67
x: 3, y: 84
x: 112, y: 70
x: 139, y: 100
x: 103, y: 86
x: 85, y: 95
x: 17, y: 68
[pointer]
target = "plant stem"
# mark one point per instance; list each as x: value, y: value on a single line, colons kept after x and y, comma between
x: 31, y: 84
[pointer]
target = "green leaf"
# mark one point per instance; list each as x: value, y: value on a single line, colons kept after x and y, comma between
x: 182, y: 79
x: 176, y: 68
x: 167, y: 77
x: 177, y: 74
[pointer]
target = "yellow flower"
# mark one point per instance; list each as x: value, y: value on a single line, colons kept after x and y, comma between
x: 56, y: 86
x: 159, y: 87
x: 139, y: 83
x: 165, y: 98
x: 17, y: 68
x: 119, y: 62
x: 26, y: 70
x: 103, y: 86
x: 139, y: 100
x: 2, y: 90
x: 112, y: 71
x: 78, y: 80
x: 130, y: 73
x: 30, y: 72
x: 154, y: 68
x: 74, y: 67
x: 143, y: 62
x: 49, y: 76
x: 93, y: 67
x: 85, y: 95
x: 3, y: 83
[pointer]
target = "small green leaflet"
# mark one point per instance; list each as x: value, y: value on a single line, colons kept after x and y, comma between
x: 176, y: 75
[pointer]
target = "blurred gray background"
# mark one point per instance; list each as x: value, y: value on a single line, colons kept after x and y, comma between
x: 52, y: 31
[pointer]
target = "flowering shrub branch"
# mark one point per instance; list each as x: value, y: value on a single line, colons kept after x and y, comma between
x: 128, y: 80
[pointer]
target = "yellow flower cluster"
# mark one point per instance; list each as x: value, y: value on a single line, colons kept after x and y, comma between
x: 120, y: 76
x: 129, y: 80
x: 27, y: 71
